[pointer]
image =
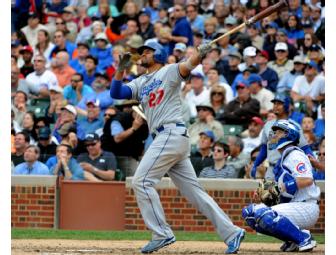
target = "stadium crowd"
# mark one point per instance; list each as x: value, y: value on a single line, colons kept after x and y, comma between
x: 64, y: 55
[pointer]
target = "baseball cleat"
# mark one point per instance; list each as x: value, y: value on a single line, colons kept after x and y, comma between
x: 308, y: 244
x: 289, y: 247
x: 155, y: 245
x: 234, y: 244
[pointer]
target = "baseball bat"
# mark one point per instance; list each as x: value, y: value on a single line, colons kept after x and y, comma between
x: 265, y: 13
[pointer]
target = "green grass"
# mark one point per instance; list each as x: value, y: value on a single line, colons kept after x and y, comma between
x: 131, y: 235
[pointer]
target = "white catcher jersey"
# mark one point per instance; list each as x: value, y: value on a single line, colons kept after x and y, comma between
x: 159, y: 95
x: 273, y: 155
x: 300, y: 166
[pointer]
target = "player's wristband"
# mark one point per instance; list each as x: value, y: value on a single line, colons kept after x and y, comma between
x: 291, y: 186
x: 189, y: 65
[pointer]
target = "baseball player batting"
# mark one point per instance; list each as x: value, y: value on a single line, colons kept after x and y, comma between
x: 298, y: 208
x: 158, y: 92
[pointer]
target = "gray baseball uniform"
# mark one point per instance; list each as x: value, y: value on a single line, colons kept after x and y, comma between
x: 159, y: 94
x: 273, y: 155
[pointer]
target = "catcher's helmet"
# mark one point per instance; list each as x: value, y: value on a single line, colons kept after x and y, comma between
x: 292, y: 133
x: 283, y: 99
x: 160, y: 55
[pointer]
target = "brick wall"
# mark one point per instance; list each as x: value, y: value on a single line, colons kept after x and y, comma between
x: 181, y: 215
x: 33, y: 202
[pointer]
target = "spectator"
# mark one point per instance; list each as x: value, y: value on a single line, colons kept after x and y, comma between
x: 319, y: 129
x: 75, y: 91
x: 215, y: 54
x: 102, y: 51
x: 307, y: 124
x: 294, y: 29
x: 256, y: 38
x: 182, y: 30
x: 315, y: 54
x: 195, y: 93
x: 210, y: 25
x: 281, y: 64
x: 205, y: 121
x: 28, y: 125
x: 19, y: 106
x: 100, y: 163
x: 222, y: 10
x: 269, y: 76
x: 94, y: 9
x: 231, y: 72
x: 146, y: 29
x: 238, y: 159
x: 309, y: 88
x: 201, y: 156
x: 57, y: 101
x: 88, y: 34
x: 179, y: 51
x: 31, y: 166
x: 219, y: 169
x: 59, y: 25
x: 20, y: 84
x: 82, y: 20
x: 93, y: 120
x: 207, y: 8
x: 21, y: 142
x: 319, y: 164
x: 66, y: 165
x: 263, y: 95
x: 260, y: 170
x: 225, y: 46
x: 61, y: 68
x: 82, y: 52
x: 230, y: 23
x: 46, y: 145
x: 90, y: 70
x: 309, y: 40
x: 68, y: 15
x: 240, y: 110
x: 270, y: 38
x: 55, y: 7
x: 281, y: 36
x: 218, y: 100
x: 195, y: 19
x: 253, y: 139
x: 214, y: 80
x: 287, y: 81
x: 43, y: 46
x: 62, y: 44
x: 27, y: 55
x: 30, y: 31
x: 42, y: 78
x: 316, y: 17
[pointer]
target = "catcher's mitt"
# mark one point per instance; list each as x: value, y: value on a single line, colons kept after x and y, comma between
x: 268, y: 192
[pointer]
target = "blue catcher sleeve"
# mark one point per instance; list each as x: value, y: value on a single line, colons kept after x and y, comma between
x: 307, y: 150
x: 120, y: 91
x: 248, y: 216
x: 260, y: 158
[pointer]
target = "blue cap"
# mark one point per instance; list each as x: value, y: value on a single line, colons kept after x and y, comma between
x: 243, y: 83
x: 209, y: 134
x: 145, y: 11
x: 272, y: 25
x: 312, y: 64
x: 286, y: 100
x: 254, y: 78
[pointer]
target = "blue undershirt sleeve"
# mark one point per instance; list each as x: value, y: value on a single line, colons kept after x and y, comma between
x: 120, y: 91
x: 261, y: 156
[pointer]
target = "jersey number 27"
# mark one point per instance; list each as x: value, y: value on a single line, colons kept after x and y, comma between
x: 155, y: 98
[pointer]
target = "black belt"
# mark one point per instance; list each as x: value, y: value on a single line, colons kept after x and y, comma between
x: 161, y: 128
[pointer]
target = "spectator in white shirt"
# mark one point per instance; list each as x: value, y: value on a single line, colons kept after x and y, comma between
x: 253, y: 139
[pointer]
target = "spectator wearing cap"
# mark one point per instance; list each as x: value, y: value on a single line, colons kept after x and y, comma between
x: 253, y: 139
x: 195, y: 92
x: 146, y: 29
x: 315, y: 54
x: 76, y: 90
x: 100, y: 163
x: 46, y: 145
x: 182, y: 30
x: 309, y: 88
x: 94, y: 119
x: 281, y: 64
x: 30, y: 31
x: 31, y: 166
x: 294, y: 29
x: 259, y: 92
x: 240, y: 110
x: 195, y: 19
x: 230, y: 23
x: 256, y: 38
x: 27, y: 56
x: 281, y: 36
x: 205, y: 121
x: 269, y: 76
x: 180, y: 51
x: 44, y: 45
x: 90, y: 69
x: 21, y: 142
x: 287, y: 81
x: 231, y: 72
x: 68, y: 15
x: 62, y: 69
x: 134, y: 42
x: 42, y: 78
x: 65, y: 165
x: 249, y: 57
x: 214, y: 80
x: 219, y: 169
x: 102, y: 51
x: 101, y: 92
x: 78, y: 63
x: 201, y: 156
x: 238, y: 159
x: 62, y: 44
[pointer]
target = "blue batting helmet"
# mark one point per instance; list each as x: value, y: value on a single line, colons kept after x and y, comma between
x: 291, y: 130
x: 283, y: 99
x: 160, y: 55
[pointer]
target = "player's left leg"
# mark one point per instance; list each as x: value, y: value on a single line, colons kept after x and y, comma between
x: 184, y: 177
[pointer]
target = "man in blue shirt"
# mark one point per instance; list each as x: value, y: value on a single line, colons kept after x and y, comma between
x: 79, y: 63
x: 31, y: 166
x: 94, y: 119
x: 74, y: 92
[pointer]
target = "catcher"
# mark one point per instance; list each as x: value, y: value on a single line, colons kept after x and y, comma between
x: 289, y: 205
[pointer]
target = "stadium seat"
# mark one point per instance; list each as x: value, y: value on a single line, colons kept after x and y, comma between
x: 232, y: 130
x: 39, y: 106
x: 119, y: 175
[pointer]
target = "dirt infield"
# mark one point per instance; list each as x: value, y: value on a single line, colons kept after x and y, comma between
x: 74, y: 247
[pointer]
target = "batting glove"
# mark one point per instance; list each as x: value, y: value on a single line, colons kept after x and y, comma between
x: 124, y: 62
x: 204, y: 49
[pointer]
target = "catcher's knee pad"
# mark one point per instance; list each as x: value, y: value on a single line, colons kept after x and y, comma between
x: 266, y: 219
x: 248, y: 215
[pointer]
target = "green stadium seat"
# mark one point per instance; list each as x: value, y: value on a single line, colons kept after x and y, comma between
x: 39, y: 106
x: 232, y: 130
